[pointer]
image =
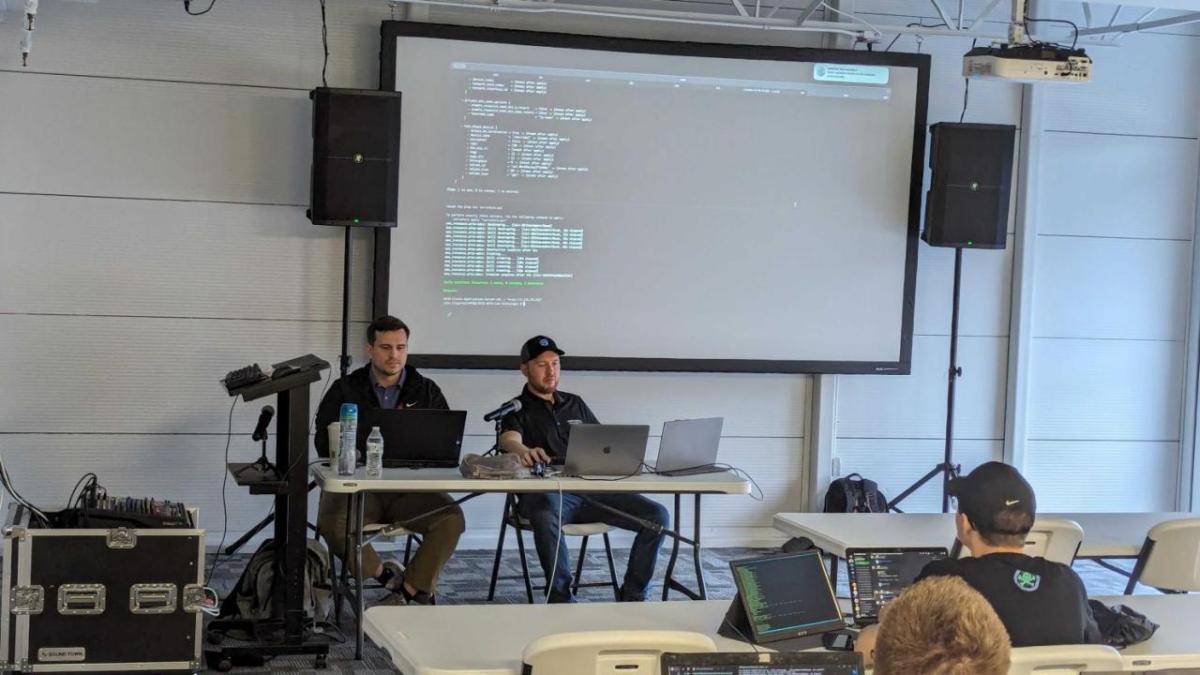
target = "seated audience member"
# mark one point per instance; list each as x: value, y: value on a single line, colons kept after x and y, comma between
x: 940, y: 626
x: 1040, y: 602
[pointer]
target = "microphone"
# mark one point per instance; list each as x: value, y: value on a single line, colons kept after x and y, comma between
x: 505, y: 410
x: 264, y: 418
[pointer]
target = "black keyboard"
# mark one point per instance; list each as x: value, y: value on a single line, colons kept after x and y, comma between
x: 236, y: 379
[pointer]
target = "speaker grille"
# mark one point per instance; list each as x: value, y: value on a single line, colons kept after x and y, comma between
x: 356, y: 151
x: 967, y: 202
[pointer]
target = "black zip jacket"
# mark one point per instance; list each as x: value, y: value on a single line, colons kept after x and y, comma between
x: 418, y: 392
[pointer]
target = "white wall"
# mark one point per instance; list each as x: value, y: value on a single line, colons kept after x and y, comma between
x: 153, y: 177
x: 1112, y: 283
x: 1113, y: 280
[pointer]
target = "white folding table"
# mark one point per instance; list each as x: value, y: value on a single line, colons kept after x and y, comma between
x: 1105, y: 535
x: 450, y: 480
x: 489, y: 639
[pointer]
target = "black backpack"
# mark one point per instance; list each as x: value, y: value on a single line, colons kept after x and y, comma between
x: 855, y: 494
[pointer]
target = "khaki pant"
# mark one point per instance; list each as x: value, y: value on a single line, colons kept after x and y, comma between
x: 439, y: 531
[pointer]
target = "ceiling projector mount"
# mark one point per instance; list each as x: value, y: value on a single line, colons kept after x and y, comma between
x: 1022, y: 59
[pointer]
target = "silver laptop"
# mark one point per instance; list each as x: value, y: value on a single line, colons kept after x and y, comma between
x: 606, y: 449
x: 689, y: 446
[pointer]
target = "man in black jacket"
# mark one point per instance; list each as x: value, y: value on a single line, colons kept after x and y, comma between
x: 389, y: 382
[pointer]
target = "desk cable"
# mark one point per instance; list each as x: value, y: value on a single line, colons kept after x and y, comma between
x: 224, y: 504
x: 644, y: 468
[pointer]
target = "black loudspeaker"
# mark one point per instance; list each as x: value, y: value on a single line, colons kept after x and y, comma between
x: 356, y: 157
x: 967, y: 202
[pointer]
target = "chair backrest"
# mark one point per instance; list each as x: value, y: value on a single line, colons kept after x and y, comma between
x: 1064, y: 660
x: 1174, y: 561
x: 1055, y: 539
x: 609, y: 652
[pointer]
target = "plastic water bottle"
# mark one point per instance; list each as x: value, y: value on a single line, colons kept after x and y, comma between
x: 347, y: 452
x: 375, y: 453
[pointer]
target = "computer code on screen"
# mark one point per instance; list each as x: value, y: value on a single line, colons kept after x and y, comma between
x: 582, y: 192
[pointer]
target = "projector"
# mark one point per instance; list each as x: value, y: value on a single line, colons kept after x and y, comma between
x: 1028, y: 63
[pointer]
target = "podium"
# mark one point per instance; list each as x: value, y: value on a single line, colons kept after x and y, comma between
x: 283, y: 633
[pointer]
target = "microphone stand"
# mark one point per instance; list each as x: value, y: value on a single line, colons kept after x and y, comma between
x: 262, y: 463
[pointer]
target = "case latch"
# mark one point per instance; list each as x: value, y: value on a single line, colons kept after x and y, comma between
x: 81, y: 599
x: 28, y: 599
x: 122, y: 537
x: 152, y: 598
x: 194, y: 598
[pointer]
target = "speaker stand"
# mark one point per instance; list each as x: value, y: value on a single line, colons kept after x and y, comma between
x: 947, y: 469
x: 344, y: 357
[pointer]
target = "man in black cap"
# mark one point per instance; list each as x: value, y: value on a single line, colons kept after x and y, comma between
x: 538, y: 432
x: 1040, y: 602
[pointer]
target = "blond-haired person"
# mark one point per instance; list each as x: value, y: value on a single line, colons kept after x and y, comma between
x: 940, y: 626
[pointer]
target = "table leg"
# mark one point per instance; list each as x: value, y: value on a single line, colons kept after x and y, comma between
x: 668, y: 580
x: 696, y: 551
x: 358, y: 577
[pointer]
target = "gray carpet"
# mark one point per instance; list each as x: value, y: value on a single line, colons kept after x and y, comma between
x: 465, y: 581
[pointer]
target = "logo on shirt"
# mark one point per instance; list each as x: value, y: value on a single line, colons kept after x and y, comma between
x: 1027, y: 581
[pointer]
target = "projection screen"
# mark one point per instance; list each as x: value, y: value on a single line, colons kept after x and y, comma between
x: 653, y: 205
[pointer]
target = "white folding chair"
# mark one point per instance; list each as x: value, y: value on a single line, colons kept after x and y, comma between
x: 1065, y: 660
x: 512, y: 518
x: 1055, y: 539
x: 609, y: 652
x: 1170, y: 557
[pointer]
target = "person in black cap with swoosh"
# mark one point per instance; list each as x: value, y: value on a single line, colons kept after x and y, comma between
x: 538, y: 432
x: 1039, y: 601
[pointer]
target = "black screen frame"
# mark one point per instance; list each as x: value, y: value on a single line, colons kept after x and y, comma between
x: 391, y: 30
x: 837, y: 623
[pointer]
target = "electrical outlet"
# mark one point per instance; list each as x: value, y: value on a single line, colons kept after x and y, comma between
x: 836, y: 466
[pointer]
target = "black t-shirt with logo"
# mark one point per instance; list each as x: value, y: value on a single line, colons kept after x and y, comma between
x: 1040, y: 602
x: 548, y: 425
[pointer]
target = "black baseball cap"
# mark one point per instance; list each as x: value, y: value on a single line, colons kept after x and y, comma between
x: 991, y: 489
x: 536, y: 345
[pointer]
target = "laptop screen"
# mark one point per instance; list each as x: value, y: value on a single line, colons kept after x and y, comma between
x: 877, y: 576
x: 787, y: 596
x: 781, y: 663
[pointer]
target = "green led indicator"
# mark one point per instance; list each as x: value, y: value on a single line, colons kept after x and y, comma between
x: 356, y: 221
x: 969, y: 242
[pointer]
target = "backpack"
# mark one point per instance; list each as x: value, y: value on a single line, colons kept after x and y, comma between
x: 251, y: 597
x: 855, y: 494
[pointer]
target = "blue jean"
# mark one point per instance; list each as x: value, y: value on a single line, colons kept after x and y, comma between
x: 542, y: 512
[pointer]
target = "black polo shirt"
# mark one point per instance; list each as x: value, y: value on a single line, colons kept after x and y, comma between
x: 548, y: 426
x: 1040, y: 602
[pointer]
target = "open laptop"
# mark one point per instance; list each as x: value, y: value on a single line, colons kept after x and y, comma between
x: 784, y: 601
x: 774, y: 663
x: 878, y: 575
x: 415, y: 438
x: 689, y: 447
x: 606, y: 449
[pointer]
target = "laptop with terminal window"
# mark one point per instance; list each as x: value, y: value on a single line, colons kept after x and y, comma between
x: 689, y: 447
x: 784, y: 601
x: 415, y: 438
x: 878, y: 575
x: 775, y: 663
x: 606, y: 449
